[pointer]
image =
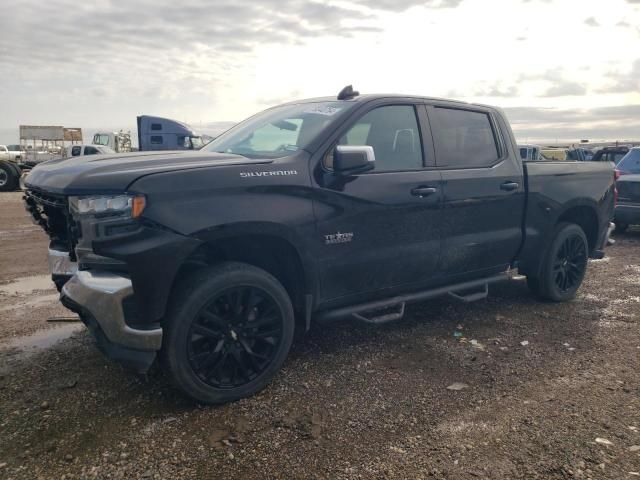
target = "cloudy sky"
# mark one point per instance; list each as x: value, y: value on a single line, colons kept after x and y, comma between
x: 563, y: 69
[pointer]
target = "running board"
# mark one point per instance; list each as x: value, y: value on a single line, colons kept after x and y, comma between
x: 383, y: 318
x: 472, y: 297
x: 328, y: 316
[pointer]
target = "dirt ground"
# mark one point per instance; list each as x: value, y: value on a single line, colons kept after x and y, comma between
x: 546, y: 391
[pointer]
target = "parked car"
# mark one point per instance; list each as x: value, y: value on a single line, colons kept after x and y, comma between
x: 81, y: 150
x: 312, y: 211
x: 610, y: 154
x: 564, y: 154
x: 586, y: 153
x: 531, y: 152
x: 627, y: 210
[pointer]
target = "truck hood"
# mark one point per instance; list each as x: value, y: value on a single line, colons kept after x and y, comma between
x: 114, y: 173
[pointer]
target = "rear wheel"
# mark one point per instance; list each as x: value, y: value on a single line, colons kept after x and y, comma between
x: 228, y: 331
x: 564, y: 264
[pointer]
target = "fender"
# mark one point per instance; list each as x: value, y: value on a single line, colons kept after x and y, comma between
x: 276, y: 230
x: 546, y: 215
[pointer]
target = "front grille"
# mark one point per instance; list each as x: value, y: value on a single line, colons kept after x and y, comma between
x: 51, y: 212
x: 629, y: 191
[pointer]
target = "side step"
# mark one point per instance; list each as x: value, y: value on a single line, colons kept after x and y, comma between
x: 358, y: 311
x: 382, y: 318
x: 472, y: 297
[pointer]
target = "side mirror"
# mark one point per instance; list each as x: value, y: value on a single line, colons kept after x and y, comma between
x: 351, y: 160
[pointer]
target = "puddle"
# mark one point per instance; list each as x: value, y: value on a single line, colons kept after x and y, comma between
x: 24, y: 347
x: 18, y: 232
x: 28, y: 285
x: 38, y: 301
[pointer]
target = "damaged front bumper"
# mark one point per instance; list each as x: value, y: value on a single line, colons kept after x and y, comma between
x: 100, y: 298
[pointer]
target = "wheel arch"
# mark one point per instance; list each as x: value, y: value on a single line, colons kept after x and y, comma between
x: 582, y: 212
x: 586, y: 217
x: 274, y: 248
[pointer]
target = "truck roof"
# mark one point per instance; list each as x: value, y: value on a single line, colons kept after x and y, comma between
x: 375, y: 96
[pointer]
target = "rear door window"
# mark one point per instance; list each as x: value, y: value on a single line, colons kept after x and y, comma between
x: 463, y: 138
x: 75, y: 151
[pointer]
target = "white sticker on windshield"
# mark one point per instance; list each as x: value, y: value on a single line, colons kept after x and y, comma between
x: 322, y: 109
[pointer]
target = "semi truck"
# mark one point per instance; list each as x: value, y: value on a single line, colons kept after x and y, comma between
x: 154, y: 133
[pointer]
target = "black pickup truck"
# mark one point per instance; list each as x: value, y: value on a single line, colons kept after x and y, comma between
x: 308, y: 212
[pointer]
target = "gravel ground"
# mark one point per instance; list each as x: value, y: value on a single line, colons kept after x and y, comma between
x: 536, y: 390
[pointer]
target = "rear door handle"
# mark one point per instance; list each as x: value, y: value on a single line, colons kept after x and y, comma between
x: 509, y: 186
x: 423, y: 191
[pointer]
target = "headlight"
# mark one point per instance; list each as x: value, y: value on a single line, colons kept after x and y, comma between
x: 125, y: 205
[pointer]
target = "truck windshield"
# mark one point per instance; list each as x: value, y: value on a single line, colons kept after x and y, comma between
x: 197, y: 143
x: 277, y: 132
x: 630, y: 162
x: 99, y: 139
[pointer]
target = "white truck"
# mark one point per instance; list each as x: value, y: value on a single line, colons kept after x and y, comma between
x: 4, y: 153
x: 119, y: 142
x: 15, y: 152
x: 82, y: 150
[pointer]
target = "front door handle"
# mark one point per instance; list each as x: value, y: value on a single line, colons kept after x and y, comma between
x: 423, y: 191
x: 509, y: 186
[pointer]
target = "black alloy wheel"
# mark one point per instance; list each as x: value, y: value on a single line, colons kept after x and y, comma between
x: 235, y: 337
x: 563, y: 264
x: 227, y: 331
x: 570, y: 263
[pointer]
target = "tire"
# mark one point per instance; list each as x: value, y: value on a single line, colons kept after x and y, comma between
x: 534, y: 285
x: 621, y: 227
x: 8, y: 178
x: 564, y: 264
x: 228, y: 331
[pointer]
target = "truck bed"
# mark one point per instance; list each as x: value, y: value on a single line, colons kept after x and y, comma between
x: 555, y: 188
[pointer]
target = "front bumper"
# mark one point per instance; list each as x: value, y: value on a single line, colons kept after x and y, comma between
x: 98, y: 297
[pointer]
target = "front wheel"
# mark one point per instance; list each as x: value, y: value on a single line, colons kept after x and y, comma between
x: 227, y: 333
x: 563, y: 265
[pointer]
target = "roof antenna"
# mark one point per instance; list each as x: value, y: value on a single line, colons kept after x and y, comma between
x: 347, y: 93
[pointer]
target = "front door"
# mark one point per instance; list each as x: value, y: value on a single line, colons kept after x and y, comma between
x: 380, y: 229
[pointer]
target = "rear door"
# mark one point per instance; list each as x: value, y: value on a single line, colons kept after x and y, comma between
x: 483, y: 188
x: 379, y: 229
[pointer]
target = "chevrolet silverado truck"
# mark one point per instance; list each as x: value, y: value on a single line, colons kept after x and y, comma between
x: 307, y: 213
